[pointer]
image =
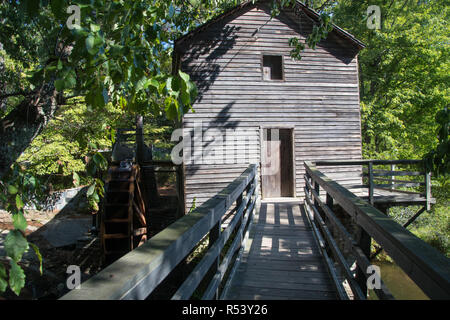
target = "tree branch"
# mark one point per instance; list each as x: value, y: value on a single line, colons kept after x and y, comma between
x: 16, y: 94
x: 323, y: 6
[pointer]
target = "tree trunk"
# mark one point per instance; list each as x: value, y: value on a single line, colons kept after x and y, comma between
x: 19, y: 128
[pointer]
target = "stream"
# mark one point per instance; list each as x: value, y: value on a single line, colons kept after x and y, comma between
x: 400, y: 285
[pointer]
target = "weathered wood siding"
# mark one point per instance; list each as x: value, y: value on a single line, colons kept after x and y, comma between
x: 319, y: 96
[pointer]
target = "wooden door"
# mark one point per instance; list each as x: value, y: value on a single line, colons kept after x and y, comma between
x: 277, y: 163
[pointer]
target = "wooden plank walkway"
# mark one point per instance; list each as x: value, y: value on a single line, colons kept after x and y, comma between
x: 281, y: 260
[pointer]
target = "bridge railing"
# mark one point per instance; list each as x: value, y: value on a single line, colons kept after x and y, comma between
x: 390, y: 175
x: 137, y: 274
x: 427, y: 267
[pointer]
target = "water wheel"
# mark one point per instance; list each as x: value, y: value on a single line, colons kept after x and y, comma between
x: 123, y: 224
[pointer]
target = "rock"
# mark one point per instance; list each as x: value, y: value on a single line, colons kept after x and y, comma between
x: 32, y: 228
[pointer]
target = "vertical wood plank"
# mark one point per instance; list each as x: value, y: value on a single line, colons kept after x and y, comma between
x: 140, y: 139
x: 428, y: 190
x: 214, y: 235
x: 392, y: 177
x: 364, y: 242
x: 371, y: 184
x: 316, y: 189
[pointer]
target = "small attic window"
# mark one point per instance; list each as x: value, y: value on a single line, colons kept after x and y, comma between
x: 272, y: 67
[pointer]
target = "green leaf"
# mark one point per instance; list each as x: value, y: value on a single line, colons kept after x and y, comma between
x: 99, y: 98
x: 19, y: 202
x: 116, y: 50
x: 70, y: 80
x: 185, y: 98
x: 94, y: 27
x: 153, y: 83
x: 15, y: 245
x: 12, y: 189
x: 169, y: 84
x: 90, y: 42
x: 95, y: 197
x: 38, y: 254
x: 100, y: 161
x: 76, y: 179
x: 91, y: 190
x: 16, y: 278
x: 176, y: 85
x: 93, y: 42
x: 171, y: 11
x: 31, y: 180
x: 19, y: 221
x: 3, y: 278
x: 193, y: 92
x: 171, y: 109
x: 184, y: 76
x: 105, y: 96
x: 59, y: 85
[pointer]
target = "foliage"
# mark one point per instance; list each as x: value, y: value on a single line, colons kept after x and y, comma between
x: 20, y: 190
x: 118, y: 56
x: 404, y: 76
x: 320, y: 32
x: 438, y: 160
x: 404, y: 72
x: 61, y: 149
x: 433, y: 227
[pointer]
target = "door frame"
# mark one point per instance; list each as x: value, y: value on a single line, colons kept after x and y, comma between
x: 290, y: 127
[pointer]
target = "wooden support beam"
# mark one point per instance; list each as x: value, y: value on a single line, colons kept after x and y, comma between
x: 414, y: 217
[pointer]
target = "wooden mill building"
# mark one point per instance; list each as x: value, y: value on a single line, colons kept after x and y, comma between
x: 278, y: 111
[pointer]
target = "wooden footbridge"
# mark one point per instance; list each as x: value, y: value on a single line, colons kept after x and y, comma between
x: 236, y: 246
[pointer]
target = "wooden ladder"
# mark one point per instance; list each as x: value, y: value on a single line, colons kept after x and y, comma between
x: 123, y: 224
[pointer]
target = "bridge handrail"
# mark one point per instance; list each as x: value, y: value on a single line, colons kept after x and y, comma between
x: 388, y: 177
x: 426, y: 266
x: 138, y: 273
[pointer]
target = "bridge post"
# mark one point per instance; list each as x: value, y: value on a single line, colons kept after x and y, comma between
x: 364, y: 242
x: 371, y: 184
x: 139, y: 140
x: 392, y: 177
x: 428, y: 190
x: 214, y: 235
x: 316, y: 189
x: 330, y: 201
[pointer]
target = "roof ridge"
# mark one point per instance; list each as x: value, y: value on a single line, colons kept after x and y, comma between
x: 308, y: 11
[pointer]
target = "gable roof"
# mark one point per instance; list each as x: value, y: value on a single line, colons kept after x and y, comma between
x: 241, y: 7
